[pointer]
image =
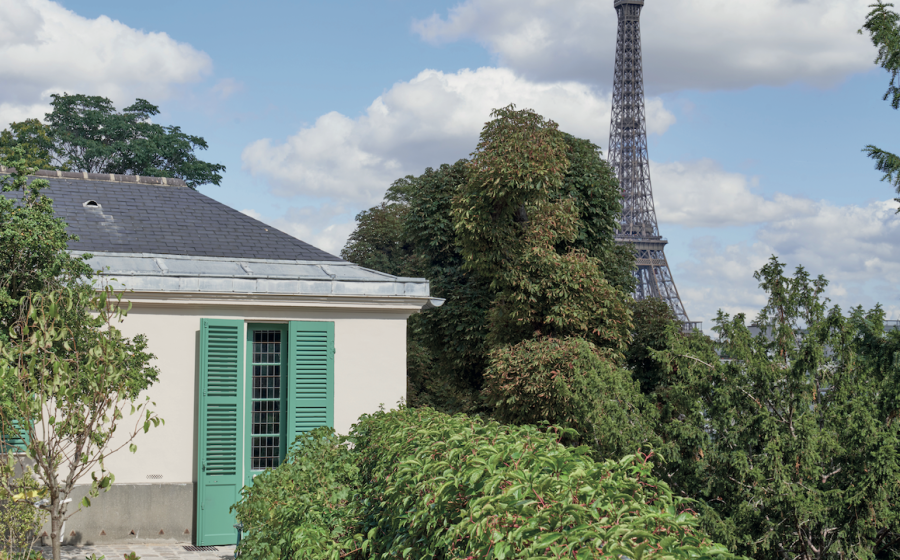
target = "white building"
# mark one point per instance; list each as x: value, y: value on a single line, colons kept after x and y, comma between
x: 258, y: 337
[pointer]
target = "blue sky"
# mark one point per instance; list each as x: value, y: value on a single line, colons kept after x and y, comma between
x: 758, y: 111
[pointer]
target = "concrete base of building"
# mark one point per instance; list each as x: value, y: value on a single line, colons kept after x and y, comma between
x: 131, y: 513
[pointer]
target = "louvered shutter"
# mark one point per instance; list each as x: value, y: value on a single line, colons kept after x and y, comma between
x: 15, y: 443
x: 310, y: 377
x: 221, y: 413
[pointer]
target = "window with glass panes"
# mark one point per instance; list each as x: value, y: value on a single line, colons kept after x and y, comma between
x: 267, y: 396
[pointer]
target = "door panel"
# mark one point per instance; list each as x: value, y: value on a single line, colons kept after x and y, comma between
x: 219, y: 438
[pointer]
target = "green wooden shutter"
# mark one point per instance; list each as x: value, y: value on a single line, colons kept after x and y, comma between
x: 219, y: 479
x: 16, y: 443
x: 310, y: 377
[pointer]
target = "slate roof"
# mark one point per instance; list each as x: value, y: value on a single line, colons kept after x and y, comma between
x: 141, y: 215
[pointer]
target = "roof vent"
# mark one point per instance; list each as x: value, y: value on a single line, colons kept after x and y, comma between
x: 91, y: 204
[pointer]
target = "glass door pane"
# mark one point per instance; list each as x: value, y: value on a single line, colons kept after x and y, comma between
x: 266, y: 409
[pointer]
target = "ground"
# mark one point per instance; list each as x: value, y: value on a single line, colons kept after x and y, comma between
x: 143, y: 550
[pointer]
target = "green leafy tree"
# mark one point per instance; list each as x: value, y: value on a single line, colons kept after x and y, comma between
x: 883, y: 26
x: 33, y: 242
x: 87, y: 133
x: 69, y: 382
x: 567, y: 383
x: 378, y: 241
x: 789, y: 437
x: 68, y: 378
x: 557, y: 328
x: 652, y: 319
x: 20, y: 520
x: 449, y: 346
x: 516, y: 225
x: 32, y: 138
x: 453, y: 335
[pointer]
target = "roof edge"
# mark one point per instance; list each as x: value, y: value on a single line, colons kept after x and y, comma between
x: 107, y: 177
x: 79, y: 252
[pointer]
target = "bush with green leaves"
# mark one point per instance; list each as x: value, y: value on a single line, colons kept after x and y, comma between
x: 421, y: 484
x: 20, y: 521
x: 308, y: 507
x: 569, y: 383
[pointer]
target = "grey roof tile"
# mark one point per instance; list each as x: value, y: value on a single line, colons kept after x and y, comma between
x: 148, y: 218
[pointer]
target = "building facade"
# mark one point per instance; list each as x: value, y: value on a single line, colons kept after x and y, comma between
x: 258, y: 337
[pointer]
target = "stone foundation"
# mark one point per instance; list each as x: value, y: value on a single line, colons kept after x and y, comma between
x: 131, y: 512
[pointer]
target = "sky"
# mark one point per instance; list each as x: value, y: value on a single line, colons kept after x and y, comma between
x: 757, y: 112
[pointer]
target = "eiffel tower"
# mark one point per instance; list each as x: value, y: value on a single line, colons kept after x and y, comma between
x: 628, y: 156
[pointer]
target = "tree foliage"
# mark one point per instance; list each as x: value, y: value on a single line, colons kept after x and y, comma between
x: 20, y: 520
x: 567, y: 383
x: 32, y: 140
x: 33, y: 242
x: 68, y: 377
x: 519, y: 241
x: 87, y: 133
x: 791, y: 440
x: 652, y: 319
x: 421, y: 484
x: 68, y: 380
x: 883, y: 26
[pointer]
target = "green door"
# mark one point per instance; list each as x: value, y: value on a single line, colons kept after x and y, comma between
x: 219, y: 439
x: 311, y: 377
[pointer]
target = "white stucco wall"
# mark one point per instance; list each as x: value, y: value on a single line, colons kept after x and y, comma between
x: 369, y: 370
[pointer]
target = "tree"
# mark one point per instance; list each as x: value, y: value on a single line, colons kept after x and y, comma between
x: 377, y: 242
x: 789, y: 437
x: 411, y: 233
x: 450, y: 345
x: 87, y: 133
x: 69, y: 386
x: 33, y: 242
x: 884, y: 30
x: 32, y: 137
x: 652, y: 319
x: 68, y: 378
x: 557, y: 328
x: 517, y: 225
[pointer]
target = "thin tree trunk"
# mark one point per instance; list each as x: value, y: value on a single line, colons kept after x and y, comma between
x: 55, y: 530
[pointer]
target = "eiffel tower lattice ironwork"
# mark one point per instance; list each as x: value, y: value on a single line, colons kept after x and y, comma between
x: 628, y: 156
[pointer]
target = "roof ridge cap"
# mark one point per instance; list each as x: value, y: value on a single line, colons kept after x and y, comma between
x: 107, y: 177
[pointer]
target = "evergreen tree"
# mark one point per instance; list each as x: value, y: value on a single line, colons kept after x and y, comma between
x: 883, y: 26
x: 789, y: 437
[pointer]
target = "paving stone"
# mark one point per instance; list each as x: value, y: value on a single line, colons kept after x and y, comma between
x: 143, y: 550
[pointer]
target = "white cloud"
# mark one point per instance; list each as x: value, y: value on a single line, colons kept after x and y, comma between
x: 854, y: 247
x: 701, y: 194
x: 434, y: 118
x: 45, y: 48
x: 847, y: 243
x: 721, y: 277
x: 687, y: 44
x: 11, y: 112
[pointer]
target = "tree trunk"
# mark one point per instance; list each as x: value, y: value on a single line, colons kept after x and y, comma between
x: 55, y: 532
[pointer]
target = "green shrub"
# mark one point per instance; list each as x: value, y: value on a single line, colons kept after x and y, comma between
x: 19, y: 519
x: 568, y: 382
x: 420, y: 484
x: 303, y: 509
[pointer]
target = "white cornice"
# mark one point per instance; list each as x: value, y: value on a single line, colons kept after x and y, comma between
x: 400, y: 304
